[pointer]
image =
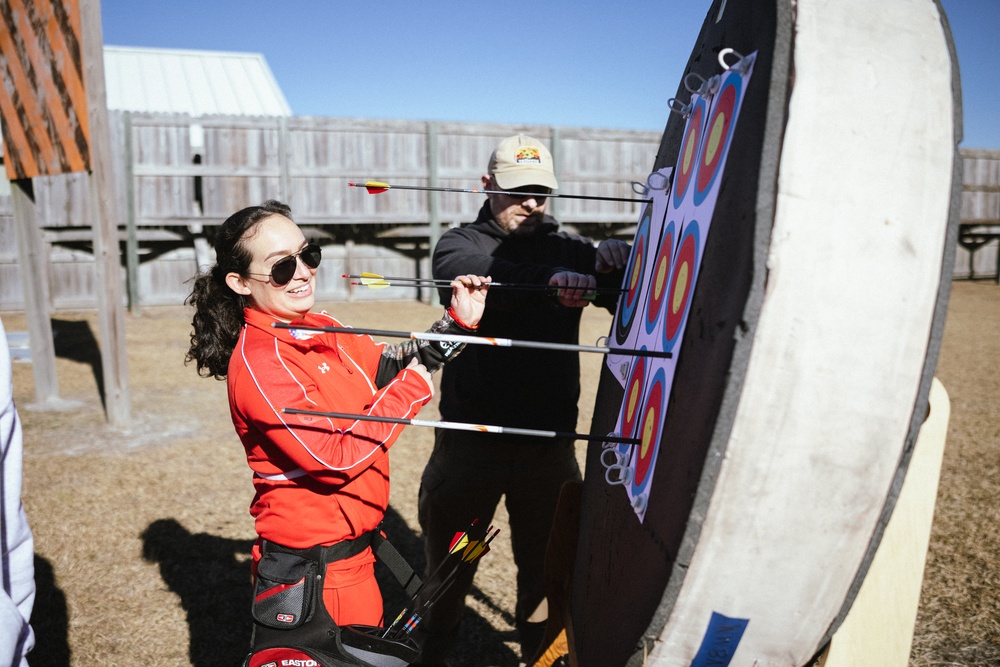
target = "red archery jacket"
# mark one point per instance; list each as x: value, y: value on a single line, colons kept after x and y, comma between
x: 317, y: 480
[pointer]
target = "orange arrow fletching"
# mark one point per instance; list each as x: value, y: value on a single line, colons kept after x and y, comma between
x: 475, y: 550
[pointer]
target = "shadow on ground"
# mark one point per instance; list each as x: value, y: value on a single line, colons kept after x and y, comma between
x: 49, y: 619
x: 74, y: 340
x: 211, y: 575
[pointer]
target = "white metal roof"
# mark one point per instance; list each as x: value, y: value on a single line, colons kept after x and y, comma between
x: 198, y: 83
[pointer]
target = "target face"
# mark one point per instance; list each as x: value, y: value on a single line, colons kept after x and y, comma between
x: 650, y: 423
x: 629, y: 304
x: 718, y: 136
x: 682, y: 281
x: 687, y: 159
x: 659, y: 281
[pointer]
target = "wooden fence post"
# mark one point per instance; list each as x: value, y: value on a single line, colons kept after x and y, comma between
x: 433, y: 200
x: 284, y: 162
x: 132, y: 244
x: 34, y: 260
x: 554, y: 150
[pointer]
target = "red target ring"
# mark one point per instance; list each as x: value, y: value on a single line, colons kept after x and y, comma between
x: 660, y: 278
x: 632, y: 402
x: 650, y: 424
x: 635, y: 277
x: 687, y: 158
x: 682, y: 281
x: 718, y: 135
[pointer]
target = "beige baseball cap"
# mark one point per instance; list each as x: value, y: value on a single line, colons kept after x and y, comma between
x: 519, y: 161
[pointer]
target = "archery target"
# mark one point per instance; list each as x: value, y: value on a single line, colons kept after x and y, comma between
x: 718, y: 134
x: 628, y: 305
x: 650, y: 423
x: 687, y: 158
x: 659, y: 281
x: 682, y: 280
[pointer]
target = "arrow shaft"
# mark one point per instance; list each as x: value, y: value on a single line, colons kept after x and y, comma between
x: 433, y: 282
x: 479, y: 340
x: 461, y: 426
x: 428, y: 188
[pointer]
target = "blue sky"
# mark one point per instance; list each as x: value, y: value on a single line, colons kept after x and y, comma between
x: 586, y: 63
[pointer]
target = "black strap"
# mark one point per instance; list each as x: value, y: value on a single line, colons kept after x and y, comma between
x: 392, y: 559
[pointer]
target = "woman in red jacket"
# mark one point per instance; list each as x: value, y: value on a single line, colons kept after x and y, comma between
x: 319, y: 481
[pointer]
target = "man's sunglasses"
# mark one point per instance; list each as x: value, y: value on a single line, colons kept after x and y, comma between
x: 283, y: 270
x: 539, y: 192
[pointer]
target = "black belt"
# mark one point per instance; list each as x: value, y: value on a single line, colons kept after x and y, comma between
x: 381, y: 547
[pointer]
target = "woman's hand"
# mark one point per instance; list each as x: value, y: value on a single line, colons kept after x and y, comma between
x: 422, y: 371
x: 468, y: 298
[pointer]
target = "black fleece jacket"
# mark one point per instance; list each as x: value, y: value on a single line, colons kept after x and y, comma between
x: 518, y: 387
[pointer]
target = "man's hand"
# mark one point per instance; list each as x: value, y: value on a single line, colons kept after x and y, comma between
x: 572, y: 288
x: 468, y: 298
x: 612, y: 254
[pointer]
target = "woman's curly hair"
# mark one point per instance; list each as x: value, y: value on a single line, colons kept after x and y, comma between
x: 218, y: 316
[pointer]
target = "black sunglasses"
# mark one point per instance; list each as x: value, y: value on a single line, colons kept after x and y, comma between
x: 283, y: 270
x: 539, y: 192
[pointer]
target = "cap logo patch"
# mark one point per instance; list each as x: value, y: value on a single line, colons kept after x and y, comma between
x: 527, y: 155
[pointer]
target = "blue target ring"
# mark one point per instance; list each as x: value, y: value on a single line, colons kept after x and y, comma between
x: 628, y: 304
x: 718, y: 135
x: 683, y: 276
x: 649, y: 431
x: 687, y: 157
x: 659, y: 279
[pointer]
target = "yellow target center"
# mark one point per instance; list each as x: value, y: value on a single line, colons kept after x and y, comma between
x: 634, y: 280
x: 688, y: 154
x: 648, y: 427
x: 715, y: 138
x: 661, y: 278
x: 633, y: 400
x: 679, y: 288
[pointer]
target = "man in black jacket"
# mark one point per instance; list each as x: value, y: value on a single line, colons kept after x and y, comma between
x: 513, y: 240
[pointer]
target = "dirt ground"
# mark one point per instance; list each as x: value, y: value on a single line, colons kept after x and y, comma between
x: 142, y: 535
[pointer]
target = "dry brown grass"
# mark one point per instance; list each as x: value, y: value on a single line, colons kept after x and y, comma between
x: 959, y: 618
x: 142, y: 536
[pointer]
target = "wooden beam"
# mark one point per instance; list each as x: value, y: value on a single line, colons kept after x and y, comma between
x: 107, y: 262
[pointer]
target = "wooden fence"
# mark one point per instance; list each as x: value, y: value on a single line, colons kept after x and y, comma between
x: 177, y: 177
x: 978, y: 253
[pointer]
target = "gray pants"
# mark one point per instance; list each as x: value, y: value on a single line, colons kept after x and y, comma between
x: 464, y: 480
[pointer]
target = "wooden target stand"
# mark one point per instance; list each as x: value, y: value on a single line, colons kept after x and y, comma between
x: 878, y: 630
x: 810, y: 342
